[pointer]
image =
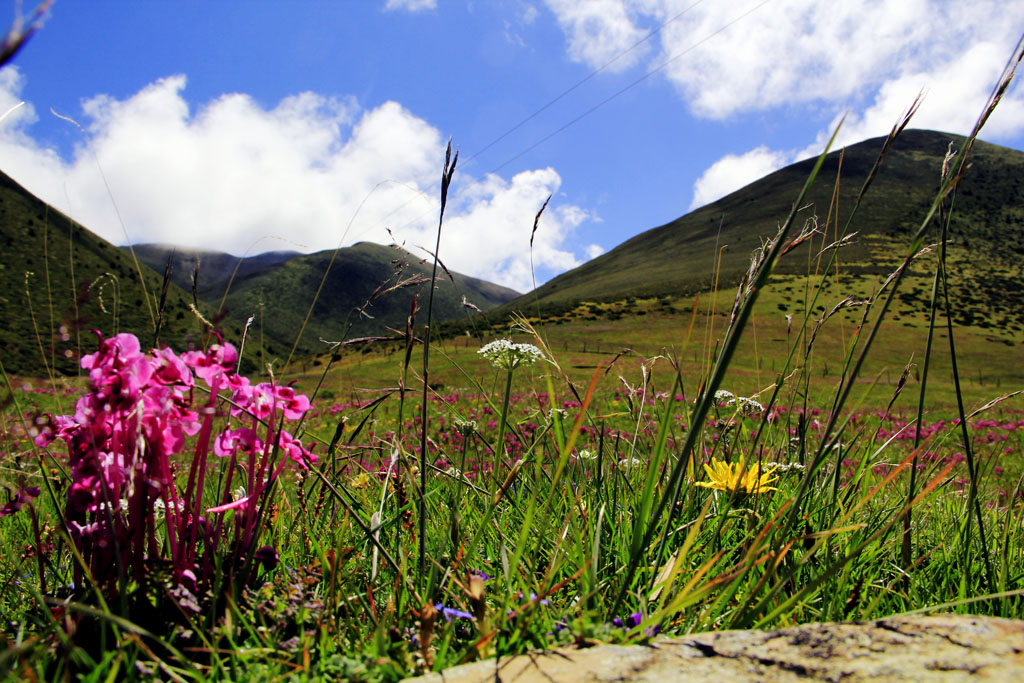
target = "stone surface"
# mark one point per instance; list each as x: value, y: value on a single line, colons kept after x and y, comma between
x: 914, y: 648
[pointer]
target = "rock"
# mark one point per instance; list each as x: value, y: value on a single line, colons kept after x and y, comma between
x: 909, y: 648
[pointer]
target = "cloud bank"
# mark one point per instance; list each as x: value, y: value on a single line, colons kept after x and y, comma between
x: 734, y: 171
x: 311, y: 173
x: 866, y: 58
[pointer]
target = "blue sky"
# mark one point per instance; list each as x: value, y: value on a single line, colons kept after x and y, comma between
x: 251, y: 126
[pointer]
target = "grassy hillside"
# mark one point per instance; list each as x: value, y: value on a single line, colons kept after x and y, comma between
x: 387, y: 277
x: 215, y: 268
x: 624, y: 334
x: 58, y: 281
x: 680, y: 257
x: 279, y: 287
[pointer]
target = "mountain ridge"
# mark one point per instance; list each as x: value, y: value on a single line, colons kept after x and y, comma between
x: 367, y: 290
x: 681, y: 256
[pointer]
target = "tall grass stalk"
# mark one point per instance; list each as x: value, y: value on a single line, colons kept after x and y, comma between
x: 446, y: 178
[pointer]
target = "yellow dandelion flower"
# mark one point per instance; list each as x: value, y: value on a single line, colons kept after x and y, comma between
x: 738, y: 477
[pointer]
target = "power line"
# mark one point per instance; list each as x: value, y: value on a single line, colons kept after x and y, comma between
x: 586, y: 78
x: 548, y: 105
x: 603, y: 102
x: 632, y: 85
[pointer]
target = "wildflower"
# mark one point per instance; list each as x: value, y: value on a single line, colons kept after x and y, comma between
x: 632, y: 621
x: 786, y: 467
x: 465, y: 427
x: 628, y: 463
x: 450, y: 613
x: 504, y: 353
x: 20, y: 499
x: 121, y: 439
x: 213, y: 364
x: 295, y: 450
x: 586, y: 455
x: 749, y: 406
x: 267, y: 557
x: 231, y: 439
x: 360, y: 481
x: 738, y: 477
x: 725, y: 397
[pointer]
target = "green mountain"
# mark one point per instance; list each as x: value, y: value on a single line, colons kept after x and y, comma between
x: 58, y: 281
x: 215, y: 269
x: 279, y: 288
x: 987, y: 229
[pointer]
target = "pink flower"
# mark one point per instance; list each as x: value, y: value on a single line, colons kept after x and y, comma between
x: 294, y: 449
x: 118, y: 370
x: 217, y: 361
x: 169, y: 369
x: 257, y: 401
x: 232, y: 439
x: 166, y: 435
x: 264, y: 399
x: 293, y: 405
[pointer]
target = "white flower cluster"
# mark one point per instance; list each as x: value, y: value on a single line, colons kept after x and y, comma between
x: 504, y: 353
x: 465, y: 427
x: 629, y: 463
x: 748, y: 406
x: 783, y: 467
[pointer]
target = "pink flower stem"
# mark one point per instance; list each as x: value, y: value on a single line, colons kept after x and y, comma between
x: 197, y: 476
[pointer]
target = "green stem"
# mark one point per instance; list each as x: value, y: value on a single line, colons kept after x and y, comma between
x: 499, y: 445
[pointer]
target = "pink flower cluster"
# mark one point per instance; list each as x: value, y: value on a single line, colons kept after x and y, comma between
x: 123, y: 504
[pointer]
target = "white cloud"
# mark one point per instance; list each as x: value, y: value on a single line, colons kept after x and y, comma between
x: 953, y: 97
x: 790, y: 51
x: 594, y: 250
x: 493, y: 221
x: 528, y: 13
x: 811, y: 59
x: 732, y: 172
x: 598, y: 31
x: 865, y: 57
x: 311, y: 173
x: 410, y: 5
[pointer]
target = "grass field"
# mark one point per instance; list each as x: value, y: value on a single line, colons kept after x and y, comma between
x: 627, y: 333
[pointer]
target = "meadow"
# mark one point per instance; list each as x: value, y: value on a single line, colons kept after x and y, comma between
x: 791, y: 449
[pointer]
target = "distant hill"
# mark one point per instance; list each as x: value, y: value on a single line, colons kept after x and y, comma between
x: 278, y: 288
x: 58, y: 281
x: 216, y: 268
x: 987, y: 230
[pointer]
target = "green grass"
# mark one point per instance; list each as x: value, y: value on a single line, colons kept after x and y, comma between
x: 596, y: 333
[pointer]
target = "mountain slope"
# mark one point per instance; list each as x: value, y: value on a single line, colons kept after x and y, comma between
x: 680, y: 257
x: 58, y: 281
x: 284, y: 293
x: 215, y: 268
x: 282, y: 285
